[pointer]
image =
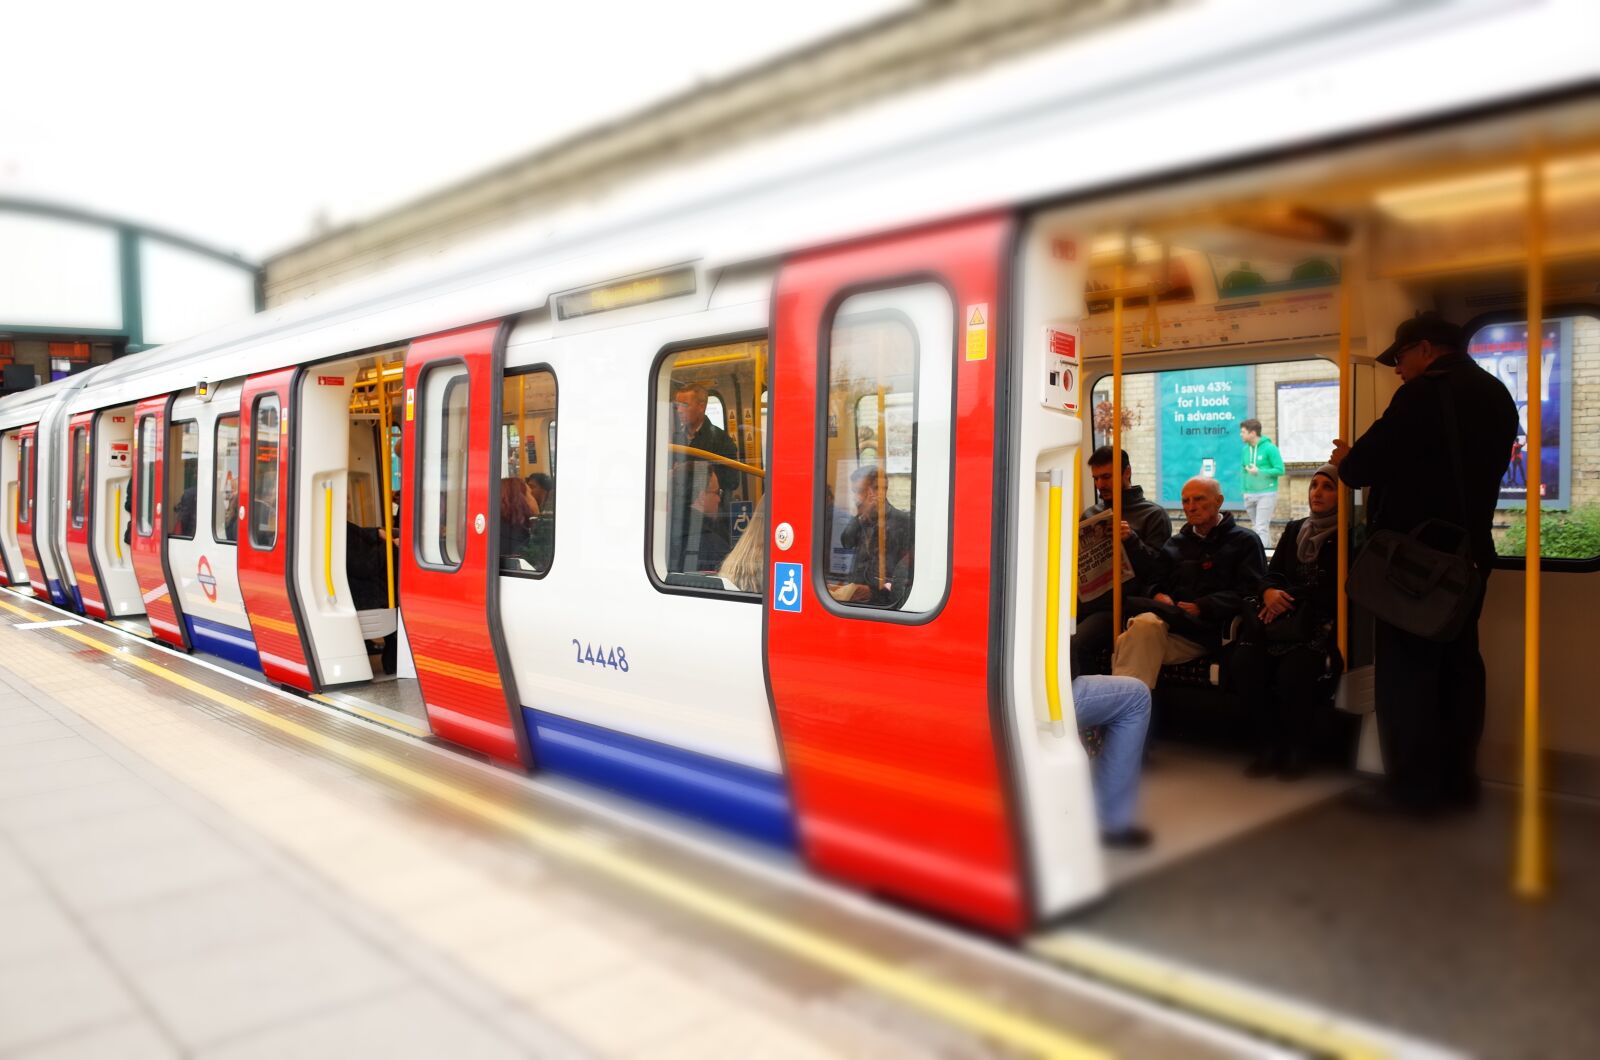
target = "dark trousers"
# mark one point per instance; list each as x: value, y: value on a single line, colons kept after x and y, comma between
x: 1430, y: 700
x: 1284, y: 694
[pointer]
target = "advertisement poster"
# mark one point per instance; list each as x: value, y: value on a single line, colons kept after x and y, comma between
x: 1502, y: 350
x: 1199, y: 412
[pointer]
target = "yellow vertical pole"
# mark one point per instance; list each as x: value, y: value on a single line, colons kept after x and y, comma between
x: 755, y: 413
x: 1346, y: 395
x: 883, y: 458
x: 385, y: 460
x: 1532, y: 874
x: 522, y: 426
x: 1116, y: 451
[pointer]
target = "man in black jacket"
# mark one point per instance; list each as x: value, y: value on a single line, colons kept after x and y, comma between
x: 1200, y: 582
x: 1430, y: 695
x: 1146, y: 527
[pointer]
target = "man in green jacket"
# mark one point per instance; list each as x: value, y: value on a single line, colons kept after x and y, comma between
x: 1263, y: 465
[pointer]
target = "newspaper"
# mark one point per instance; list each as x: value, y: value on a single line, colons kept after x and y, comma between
x: 1096, y: 538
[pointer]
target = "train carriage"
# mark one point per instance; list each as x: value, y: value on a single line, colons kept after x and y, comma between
x: 917, y: 314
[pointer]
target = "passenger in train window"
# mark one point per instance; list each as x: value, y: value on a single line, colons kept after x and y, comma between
x: 183, y: 514
x: 1438, y: 452
x: 694, y: 430
x: 517, y: 511
x: 1288, y: 657
x: 699, y: 541
x: 1120, y: 706
x: 1200, y: 581
x: 1263, y: 466
x: 885, y: 583
x: 745, y: 569
x: 543, y: 488
x: 1146, y: 527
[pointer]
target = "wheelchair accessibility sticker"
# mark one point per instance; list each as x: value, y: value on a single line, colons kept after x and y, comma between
x: 786, y: 586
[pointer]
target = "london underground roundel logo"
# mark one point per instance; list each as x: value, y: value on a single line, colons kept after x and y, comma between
x: 207, y: 580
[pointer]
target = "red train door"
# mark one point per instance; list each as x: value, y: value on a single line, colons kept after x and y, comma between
x: 80, y: 488
x: 881, y: 662
x: 27, y: 490
x: 147, y: 536
x: 449, y: 580
x: 266, y: 528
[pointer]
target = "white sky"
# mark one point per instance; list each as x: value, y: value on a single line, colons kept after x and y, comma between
x: 188, y: 116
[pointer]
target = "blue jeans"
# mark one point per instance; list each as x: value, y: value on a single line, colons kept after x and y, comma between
x: 1122, y: 706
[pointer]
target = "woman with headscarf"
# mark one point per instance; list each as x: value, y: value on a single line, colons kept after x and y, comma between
x: 1287, y: 657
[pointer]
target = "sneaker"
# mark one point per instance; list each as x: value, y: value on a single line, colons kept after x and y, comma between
x: 1132, y: 837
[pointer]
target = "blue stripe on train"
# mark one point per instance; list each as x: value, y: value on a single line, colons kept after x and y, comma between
x: 227, y: 642
x: 751, y: 802
x: 57, y: 596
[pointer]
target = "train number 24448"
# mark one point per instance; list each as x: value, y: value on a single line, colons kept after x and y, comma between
x: 616, y: 658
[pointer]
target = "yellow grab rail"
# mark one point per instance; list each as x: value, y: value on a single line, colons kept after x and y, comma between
x: 717, y: 458
x: 1052, y: 607
x: 1532, y: 877
x: 386, y: 460
x: 327, y: 539
x: 117, y: 507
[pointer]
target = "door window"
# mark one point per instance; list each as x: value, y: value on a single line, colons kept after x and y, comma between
x: 528, y: 467
x: 265, y: 435
x: 78, y: 499
x: 442, y: 513
x: 183, y: 478
x: 25, y: 479
x: 887, y: 449
x: 225, y: 491
x: 147, y: 476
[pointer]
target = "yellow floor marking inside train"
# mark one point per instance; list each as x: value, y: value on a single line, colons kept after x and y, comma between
x: 1236, y: 1006
x: 945, y: 1002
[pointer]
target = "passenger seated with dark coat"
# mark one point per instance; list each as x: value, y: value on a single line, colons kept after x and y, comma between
x: 699, y: 541
x: 1200, y: 581
x: 1146, y: 527
x: 1289, y: 652
x: 870, y: 581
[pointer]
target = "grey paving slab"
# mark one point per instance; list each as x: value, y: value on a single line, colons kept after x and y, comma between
x: 240, y: 990
x: 407, y: 1025
x: 45, y: 998
x: 144, y: 935
x: 28, y: 778
x: 127, y: 1039
x: 34, y: 926
x: 14, y: 710
x: 66, y: 749
x: 113, y: 878
x: 16, y: 879
x: 128, y: 828
x: 73, y: 805
x: 32, y: 731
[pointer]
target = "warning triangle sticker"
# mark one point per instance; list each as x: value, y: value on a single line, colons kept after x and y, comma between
x: 977, y: 318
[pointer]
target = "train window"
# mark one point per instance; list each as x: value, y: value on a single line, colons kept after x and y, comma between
x: 442, y: 444
x: 1185, y: 424
x: 147, y: 476
x: 265, y: 431
x: 708, y: 477
x: 1569, y: 518
x: 78, y: 499
x: 225, y: 485
x: 183, y: 478
x: 25, y: 480
x: 886, y: 502
x: 528, y: 463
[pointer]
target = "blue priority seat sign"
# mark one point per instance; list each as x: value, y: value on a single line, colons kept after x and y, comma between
x: 786, y: 579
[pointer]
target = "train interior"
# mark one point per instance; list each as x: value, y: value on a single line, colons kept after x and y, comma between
x: 10, y: 490
x: 349, y: 504
x: 111, y: 457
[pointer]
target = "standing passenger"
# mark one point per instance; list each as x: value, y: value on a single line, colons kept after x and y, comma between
x: 1263, y: 465
x: 1430, y: 695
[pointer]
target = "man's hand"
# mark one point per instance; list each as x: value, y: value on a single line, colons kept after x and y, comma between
x: 1127, y: 531
x: 1250, y: 468
x: 1192, y: 610
x: 1275, y: 603
x: 1162, y: 598
x: 1341, y: 449
x: 851, y: 593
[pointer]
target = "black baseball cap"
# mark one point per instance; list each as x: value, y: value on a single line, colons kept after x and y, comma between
x: 1425, y: 325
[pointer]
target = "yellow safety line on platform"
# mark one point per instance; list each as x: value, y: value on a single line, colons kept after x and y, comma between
x: 948, y: 1003
x: 1238, y: 1007
x: 372, y: 716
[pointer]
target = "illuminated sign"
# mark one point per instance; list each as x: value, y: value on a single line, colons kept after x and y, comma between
x: 624, y: 293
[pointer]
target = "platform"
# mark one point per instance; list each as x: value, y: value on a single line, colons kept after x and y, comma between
x: 191, y: 865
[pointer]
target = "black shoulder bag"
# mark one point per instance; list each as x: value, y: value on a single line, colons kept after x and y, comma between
x: 1410, y: 584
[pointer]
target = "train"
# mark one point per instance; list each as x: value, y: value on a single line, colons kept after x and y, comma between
x: 915, y: 306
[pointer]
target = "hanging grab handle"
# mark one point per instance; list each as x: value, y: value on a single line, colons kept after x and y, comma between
x: 1052, y: 605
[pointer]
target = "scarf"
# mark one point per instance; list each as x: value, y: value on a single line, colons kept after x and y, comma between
x: 1317, y: 528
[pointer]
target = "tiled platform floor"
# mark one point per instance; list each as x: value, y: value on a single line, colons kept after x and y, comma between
x: 178, y: 878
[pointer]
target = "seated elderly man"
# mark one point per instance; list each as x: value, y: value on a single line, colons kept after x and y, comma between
x: 1199, y: 583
